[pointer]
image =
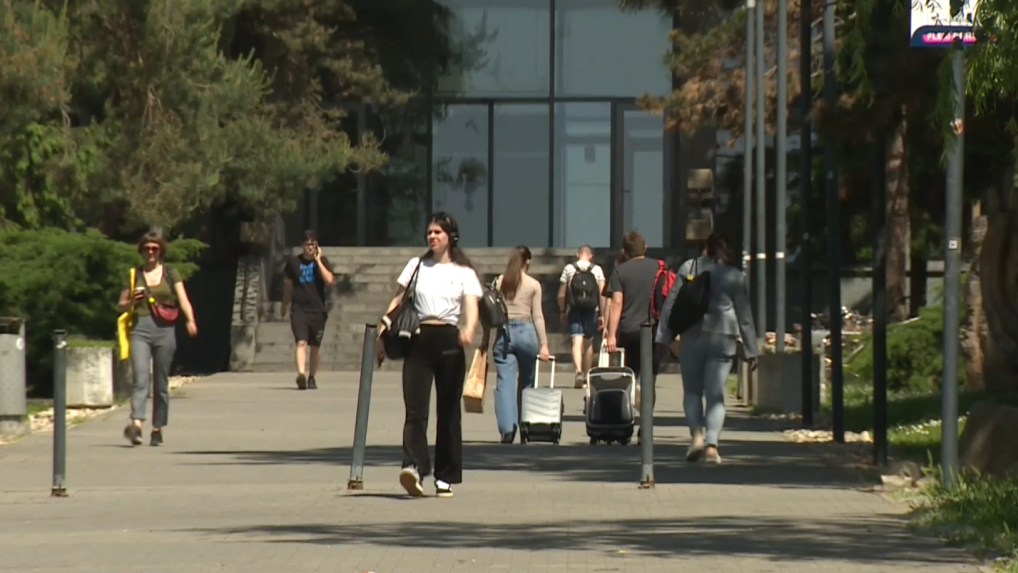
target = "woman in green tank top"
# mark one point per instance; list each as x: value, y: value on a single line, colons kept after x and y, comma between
x: 155, y: 299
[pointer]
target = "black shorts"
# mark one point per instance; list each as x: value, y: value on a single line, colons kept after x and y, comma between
x: 308, y: 327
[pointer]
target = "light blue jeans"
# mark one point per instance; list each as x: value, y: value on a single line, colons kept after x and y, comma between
x: 515, y: 353
x: 706, y: 360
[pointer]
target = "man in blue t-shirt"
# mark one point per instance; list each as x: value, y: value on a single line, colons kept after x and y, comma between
x: 306, y: 276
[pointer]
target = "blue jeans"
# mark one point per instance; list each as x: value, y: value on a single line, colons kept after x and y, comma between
x: 515, y: 352
x: 706, y: 360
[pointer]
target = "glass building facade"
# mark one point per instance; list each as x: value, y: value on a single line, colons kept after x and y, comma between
x: 525, y: 127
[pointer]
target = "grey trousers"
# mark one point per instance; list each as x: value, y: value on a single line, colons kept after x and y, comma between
x: 706, y: 361
x: 152, y: 346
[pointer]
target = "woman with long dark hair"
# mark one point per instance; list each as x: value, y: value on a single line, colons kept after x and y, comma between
x: 708, y: 348
x: 445, y: 286
x: 519, y: 343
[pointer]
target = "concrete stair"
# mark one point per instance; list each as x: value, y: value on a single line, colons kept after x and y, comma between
x: 365, y: 283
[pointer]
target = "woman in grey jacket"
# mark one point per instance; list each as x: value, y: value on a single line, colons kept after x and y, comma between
x: 707, y: 349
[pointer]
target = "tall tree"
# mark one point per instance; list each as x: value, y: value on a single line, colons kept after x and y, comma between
x: 992, y: 335
x: 710, y: 65
x: 40, y: 166
x: 156, y: 110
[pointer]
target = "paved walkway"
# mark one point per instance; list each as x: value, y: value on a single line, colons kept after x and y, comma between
x: 252, y: 479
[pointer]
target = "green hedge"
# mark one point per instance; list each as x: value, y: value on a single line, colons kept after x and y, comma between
x: 915, y: 354
x: 56, y: 279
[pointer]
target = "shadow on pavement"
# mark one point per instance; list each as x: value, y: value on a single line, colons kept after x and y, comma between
x: 854, y: 540
x: 752, y: 463
x: 735, y: 422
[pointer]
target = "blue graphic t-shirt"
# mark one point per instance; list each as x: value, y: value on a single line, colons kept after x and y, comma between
x: 308, y: 285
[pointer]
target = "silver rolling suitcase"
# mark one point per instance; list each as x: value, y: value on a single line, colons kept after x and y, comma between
x: 541, y: 410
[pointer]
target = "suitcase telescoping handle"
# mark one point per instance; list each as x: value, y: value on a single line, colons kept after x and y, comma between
x: 604, y: 359
x: 537, y: 372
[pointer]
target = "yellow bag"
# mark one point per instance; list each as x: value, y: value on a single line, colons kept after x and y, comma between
x: 124, y: 327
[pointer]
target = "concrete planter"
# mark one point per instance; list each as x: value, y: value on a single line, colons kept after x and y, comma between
x: 779, y: 383
x: 123, y: 379
x: 13, y: 407
x: 90, y: 376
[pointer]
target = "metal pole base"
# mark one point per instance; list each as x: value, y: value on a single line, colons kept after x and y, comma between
x: 59, y: 491
x: 360, y: 434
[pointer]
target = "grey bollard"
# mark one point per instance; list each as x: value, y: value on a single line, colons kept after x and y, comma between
x: 647, y: 404
x: 13, y: 406
x: 360, y: 433
x: 59, y: 413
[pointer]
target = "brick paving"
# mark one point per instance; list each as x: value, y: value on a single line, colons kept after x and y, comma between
x: 253, y: 479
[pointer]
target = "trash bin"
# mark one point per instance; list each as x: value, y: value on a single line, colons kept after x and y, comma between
x: 13, y: 408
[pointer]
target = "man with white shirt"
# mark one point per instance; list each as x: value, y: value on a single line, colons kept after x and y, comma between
x: 581, y: 306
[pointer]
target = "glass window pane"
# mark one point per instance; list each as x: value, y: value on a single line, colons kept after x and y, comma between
x: 521, y: 176
x: 336, y: 202
x: 398, y: 194
x: 602, y: 51
x: 401, y: 34
x: 583, y: 174
x: 460, y: 169
x: 494, y: 47
x: 643, y: 178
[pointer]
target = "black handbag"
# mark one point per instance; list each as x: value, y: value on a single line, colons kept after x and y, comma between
x: 402, y: 324
x: 691, y: 302
x: 492, y: 308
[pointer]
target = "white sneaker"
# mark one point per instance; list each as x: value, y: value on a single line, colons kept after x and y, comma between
x: 442, y: 489
x: 696, y: 449
x: 712, y: 456
x: 410, y: 479
x: 580, y: 381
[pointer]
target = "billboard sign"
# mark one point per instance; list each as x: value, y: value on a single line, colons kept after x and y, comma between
x: 933, y: 27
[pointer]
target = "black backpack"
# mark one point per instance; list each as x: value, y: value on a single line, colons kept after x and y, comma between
x: 493, y: 312
x: 690, y: 302
x: 583, y: 291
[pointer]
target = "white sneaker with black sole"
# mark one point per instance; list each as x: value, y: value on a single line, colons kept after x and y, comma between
x: 410, y: 479
x: 442, y: 489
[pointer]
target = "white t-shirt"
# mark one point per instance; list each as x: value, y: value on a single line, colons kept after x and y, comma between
x: 570, y: 271
x: 440, y: 289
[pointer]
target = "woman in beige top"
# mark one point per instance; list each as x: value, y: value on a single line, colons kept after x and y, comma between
x: 519, y: 343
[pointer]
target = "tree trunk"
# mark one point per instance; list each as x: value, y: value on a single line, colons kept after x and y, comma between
x: 897, y: 220
x: 998, y: 264
x: 918, y: 280
x: 974, y: 334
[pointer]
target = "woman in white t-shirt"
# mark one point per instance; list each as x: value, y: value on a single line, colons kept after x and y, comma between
x: 446, y: 287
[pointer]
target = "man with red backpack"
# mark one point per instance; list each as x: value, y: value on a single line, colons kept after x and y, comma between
x: 637, y: 289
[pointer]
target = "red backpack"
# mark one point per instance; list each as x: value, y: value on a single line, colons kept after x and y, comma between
x: 663, y: 281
